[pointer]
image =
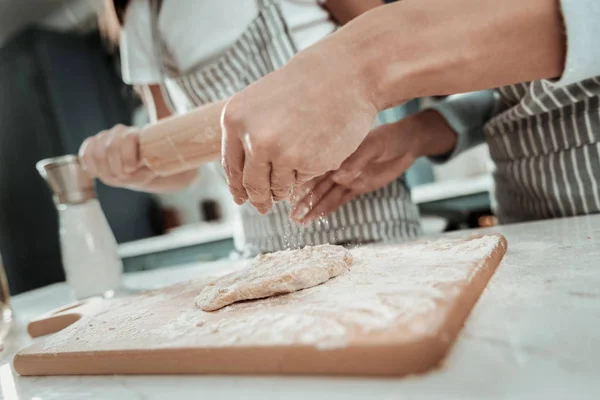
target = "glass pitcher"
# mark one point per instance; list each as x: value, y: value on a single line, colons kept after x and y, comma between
x: 89, y: 250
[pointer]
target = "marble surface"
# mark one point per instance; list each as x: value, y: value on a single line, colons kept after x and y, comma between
x: 193, y: 234
x: 534, y: 334
x: 187, y: 235
x: 450, y: 189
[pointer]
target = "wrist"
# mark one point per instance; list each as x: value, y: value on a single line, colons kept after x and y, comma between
x: 433, y: 134
x: 360, y: 43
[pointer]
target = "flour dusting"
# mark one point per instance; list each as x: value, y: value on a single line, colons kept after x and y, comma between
x: 403, y: 291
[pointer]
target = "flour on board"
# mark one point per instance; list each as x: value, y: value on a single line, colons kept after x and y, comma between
x: 398, y: 293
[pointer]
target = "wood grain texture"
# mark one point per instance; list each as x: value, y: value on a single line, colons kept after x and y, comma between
x: 58, y: 320
x: 183, y: 142
x: 397, y: 312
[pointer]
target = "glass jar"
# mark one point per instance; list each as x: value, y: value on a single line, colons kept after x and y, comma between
x: 89, y: 249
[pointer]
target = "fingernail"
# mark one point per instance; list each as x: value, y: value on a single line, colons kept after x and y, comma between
x: 239, y: 196
x: 299, y: 213
x: 263, y: 210
x: 239, y: 200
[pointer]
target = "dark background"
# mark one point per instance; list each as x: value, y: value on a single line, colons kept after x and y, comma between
x: 56, y: 89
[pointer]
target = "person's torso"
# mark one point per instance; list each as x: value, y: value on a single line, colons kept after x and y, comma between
x: 545, y: 142
x: 198, y: 32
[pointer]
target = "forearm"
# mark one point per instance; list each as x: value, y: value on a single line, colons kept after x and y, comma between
x: 433, y: 136
x: 167, y: 184
x: 416, y: 48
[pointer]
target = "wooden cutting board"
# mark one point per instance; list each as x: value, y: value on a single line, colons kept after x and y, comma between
x: 396, y: 312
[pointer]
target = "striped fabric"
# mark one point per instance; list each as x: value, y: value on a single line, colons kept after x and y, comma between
x: 545, y: 141
x: 386, y: 214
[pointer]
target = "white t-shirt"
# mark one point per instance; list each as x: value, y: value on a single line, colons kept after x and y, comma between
x: 197, y: 31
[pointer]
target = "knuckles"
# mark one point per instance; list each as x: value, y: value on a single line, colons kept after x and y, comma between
x: 260, y: 194
x: 114, y: 146
x: 232, y: 113
x: 232, y: 171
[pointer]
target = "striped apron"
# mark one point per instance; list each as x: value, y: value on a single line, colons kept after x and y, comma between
x: 545, y: 142
x: 266, y: 45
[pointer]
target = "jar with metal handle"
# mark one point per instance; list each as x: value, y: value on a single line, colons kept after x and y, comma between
x: 88, y: 246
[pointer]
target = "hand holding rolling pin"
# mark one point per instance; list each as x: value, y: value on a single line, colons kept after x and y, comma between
x: 161, y: 157
x: 113, y: 156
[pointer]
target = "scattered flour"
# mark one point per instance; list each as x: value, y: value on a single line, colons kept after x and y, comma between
x: 401, y: 290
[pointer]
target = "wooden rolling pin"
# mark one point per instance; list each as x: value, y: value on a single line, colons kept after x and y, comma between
x: 183, y: 142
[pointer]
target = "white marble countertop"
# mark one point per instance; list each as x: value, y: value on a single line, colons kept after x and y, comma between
x: 443, y: 190
x: 534, y: 334
x: 187, y: 235
x: 190, y: 235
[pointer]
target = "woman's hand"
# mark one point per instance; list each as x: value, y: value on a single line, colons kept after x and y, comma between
x: 113, y: 157
x: 386, y: 153
x: 304, y: 119
x: 292, y: 126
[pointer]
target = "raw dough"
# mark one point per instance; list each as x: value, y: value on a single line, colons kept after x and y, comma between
x: 276, y: 273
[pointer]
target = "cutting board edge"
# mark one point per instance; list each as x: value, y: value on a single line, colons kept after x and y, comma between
x: 295, y: 360
x: 367, y: 360
x: 468, y: 302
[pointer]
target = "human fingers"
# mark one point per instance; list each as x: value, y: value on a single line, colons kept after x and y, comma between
x: 86, y: 159
x: 114, y: 143
x: 233, y: 154
x: 282, y: 181
x: 140, y: 177
x: 257, y: 184
x: 321, y: 186
x: 379, y: 175
x: 100, y: 157
x: 130, y: 151
x: 299, y: 192
x: 331, y: 201
x: 352, y: 167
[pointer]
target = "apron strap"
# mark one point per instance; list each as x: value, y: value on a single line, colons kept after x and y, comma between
x: 263, y: 4
x: 159, y: 51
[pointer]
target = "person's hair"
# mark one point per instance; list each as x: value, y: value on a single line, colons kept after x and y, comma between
x: 120, y: 7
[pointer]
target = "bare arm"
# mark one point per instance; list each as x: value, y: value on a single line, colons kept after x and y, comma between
x: 416, y: 48
x: 344, y: 11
